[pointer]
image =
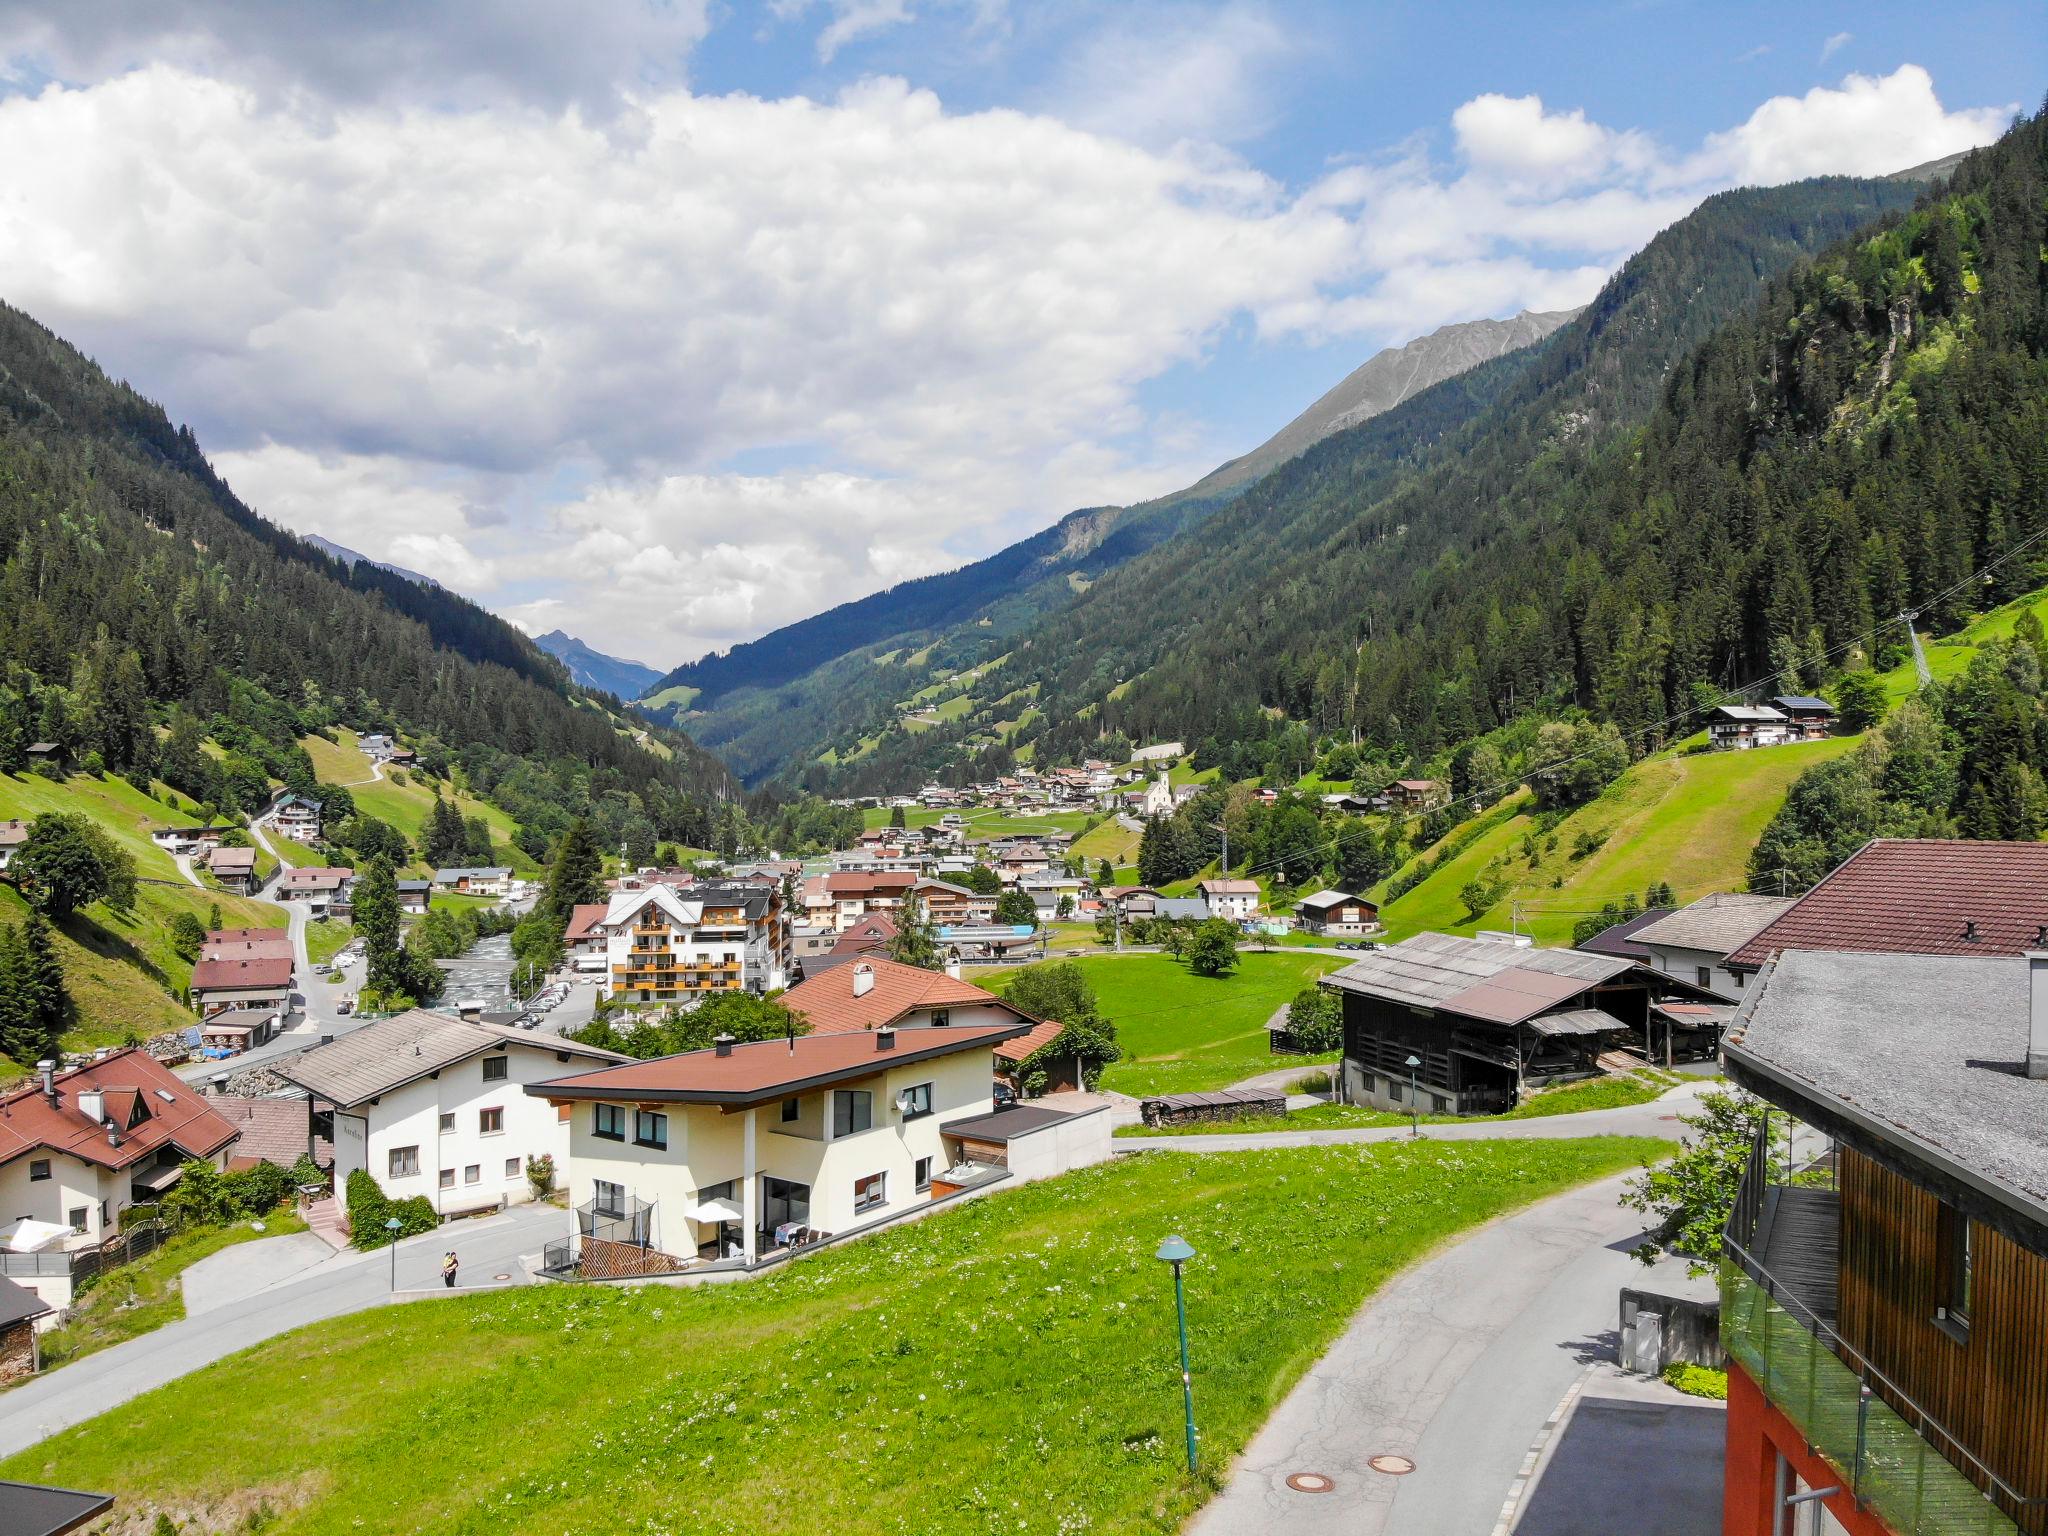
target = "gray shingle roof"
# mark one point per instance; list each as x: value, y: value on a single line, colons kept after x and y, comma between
x: 1931, y: 1048
x: 392, y: 1052
x: 1719, y: 924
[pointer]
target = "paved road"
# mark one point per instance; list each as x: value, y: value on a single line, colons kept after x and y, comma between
x: 1657, y: 1118
x: 1455, y: 1364
x: 1630, y: 1455
x: 348, y: 1282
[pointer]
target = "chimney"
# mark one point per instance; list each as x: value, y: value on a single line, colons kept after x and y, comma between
x: 49, y: 1071
x: 2037, y: 1013
x: 885, y: 1039
x: 863, y: 979
x: 92, y: 1105
x: 722, y: 1045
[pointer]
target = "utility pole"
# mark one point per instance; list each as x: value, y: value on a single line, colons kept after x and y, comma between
x: 1222, y: 824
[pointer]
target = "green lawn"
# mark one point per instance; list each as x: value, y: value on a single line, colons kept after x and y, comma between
x: 456, y: 901
x: 1110, y: 841
x: 1006, y: 1366
x: 295, y: 854
x: 326, y: 938
x: 1183, y: 1033
x: 1433, y: 905
x: 1574, y: 1098
x: 874, y: 817
x: 141, y: 1297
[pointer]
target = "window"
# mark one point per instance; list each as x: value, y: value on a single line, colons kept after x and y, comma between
x: 447, y: 1178
x: 607, y: 1199
x: 870, y: 1192
x: 39, y: 1169
x: 792, y: 1109
x: 473, y: 1174
x: 81, y: 1218
x: 924, y: 1173
x: 497, y: 1068
x: 490, y: 1122
x: 1739, y: 979
x: 448, y: 1123
x: 608, y: 1121
x: 916, y: 1101
x: 1703, y: 975
x: 511, y: 1167
x: 404, y: 1162
x: 650, y: 1129
x: 1953, y: 1245
x: 853, y: 1109
x: 941, y: 1017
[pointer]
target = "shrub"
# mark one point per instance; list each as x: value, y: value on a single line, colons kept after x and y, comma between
x: 204, y: 1196
x: 369, y: 1209
x: 1697, y: 1380
x: 540, y: 1173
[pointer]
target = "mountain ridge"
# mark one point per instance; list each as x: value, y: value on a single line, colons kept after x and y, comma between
x: 591, y: 668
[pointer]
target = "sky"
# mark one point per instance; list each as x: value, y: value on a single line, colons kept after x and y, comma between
x: 668, y: 322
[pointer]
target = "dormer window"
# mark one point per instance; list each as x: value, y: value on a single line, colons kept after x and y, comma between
x: 941, y: 1017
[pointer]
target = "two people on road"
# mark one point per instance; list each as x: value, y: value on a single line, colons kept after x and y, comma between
x: 449, y: 1266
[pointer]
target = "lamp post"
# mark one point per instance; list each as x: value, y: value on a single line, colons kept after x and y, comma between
x: 1176, y: 1250
x: 1414, y: 1109
x: 391, y: 1225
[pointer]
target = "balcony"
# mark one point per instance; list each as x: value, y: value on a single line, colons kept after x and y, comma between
x: 1779, y: 1278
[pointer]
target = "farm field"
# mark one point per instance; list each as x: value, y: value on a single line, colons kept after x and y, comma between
x: 1183, y: 1033
x: 832, y: 1381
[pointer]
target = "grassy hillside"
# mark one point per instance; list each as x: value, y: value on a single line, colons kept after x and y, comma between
x: 1006, y: 1366
x: 405, y: 805
x: 119, y: 966
x: 1687, y: 818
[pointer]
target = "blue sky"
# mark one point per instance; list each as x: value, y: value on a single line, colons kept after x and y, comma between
x: 667, y: 323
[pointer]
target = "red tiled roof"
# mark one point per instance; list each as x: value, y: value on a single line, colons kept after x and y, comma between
x: 583, y: 920
x: 872, y: 932
x: 212, y: 975
x: 1042, y: 1035
x: 279, y: 948
x: 828, y: 1003
x: 850, y: 882
x: 768, y: 1069
x: 231, y: 935
x: 1917, y: 896
x: 176, y: 1116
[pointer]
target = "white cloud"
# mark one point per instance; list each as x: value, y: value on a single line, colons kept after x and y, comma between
x: 1867, y: 126
x: 856, y: 19
x: 1835, y: 44
x: 674, y: 373
x: 1163, y: 78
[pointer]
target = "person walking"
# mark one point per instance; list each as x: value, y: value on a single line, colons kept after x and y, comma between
x: 448, y: 1269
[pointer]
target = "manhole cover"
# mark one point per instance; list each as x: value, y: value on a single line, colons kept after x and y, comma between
x: 1310, y: 1482
x: 1393, y: 1466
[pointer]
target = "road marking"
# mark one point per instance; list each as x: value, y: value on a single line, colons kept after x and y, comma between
x: 1519, y: 1488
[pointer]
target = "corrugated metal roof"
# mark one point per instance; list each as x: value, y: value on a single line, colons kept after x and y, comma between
x: 1471, y: 976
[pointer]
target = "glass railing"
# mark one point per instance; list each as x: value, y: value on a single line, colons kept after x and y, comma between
x: 1891, y: 1456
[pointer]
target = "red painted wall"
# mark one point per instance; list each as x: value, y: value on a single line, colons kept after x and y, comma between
x: 1757, y: 1434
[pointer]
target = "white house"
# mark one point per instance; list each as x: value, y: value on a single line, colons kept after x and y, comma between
x: 1739, y: 727
x: 1694, y: 942
x: 490, y: 880
x: 1232, y: 899
x: 1158, y: 797
x: 737, y: 1154
x: 12, y: 835
x: 433, y: 1105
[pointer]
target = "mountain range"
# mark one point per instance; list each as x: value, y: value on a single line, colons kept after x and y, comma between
x: 591, y: 668
x: 821, y: 684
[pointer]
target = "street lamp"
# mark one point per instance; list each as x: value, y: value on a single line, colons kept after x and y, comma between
x: 391, y: 1225
x: 1414, y: 1109
x: 1176, y: 1250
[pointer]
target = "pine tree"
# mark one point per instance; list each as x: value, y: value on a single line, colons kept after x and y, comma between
x: 576, y: 877
x: 916, y: 941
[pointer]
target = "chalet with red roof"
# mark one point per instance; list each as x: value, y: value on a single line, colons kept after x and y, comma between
x: 241, y: 983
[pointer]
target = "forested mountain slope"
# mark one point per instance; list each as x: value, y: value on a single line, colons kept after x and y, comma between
x: 776, y: 701
x: 1418, y: 592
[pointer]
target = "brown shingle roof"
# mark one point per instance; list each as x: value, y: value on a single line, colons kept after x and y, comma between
x: 230, y: 935
x: 177, y: 1116
x: 390, y: 1053
x: 212, y: 975
x: 231, y: 859
x: 828, y: 1002
x: 1918, y: 896
x: 272, y: 1131
x: 279, y: 948
x: 769, y: 1069
x: 880, y: 882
